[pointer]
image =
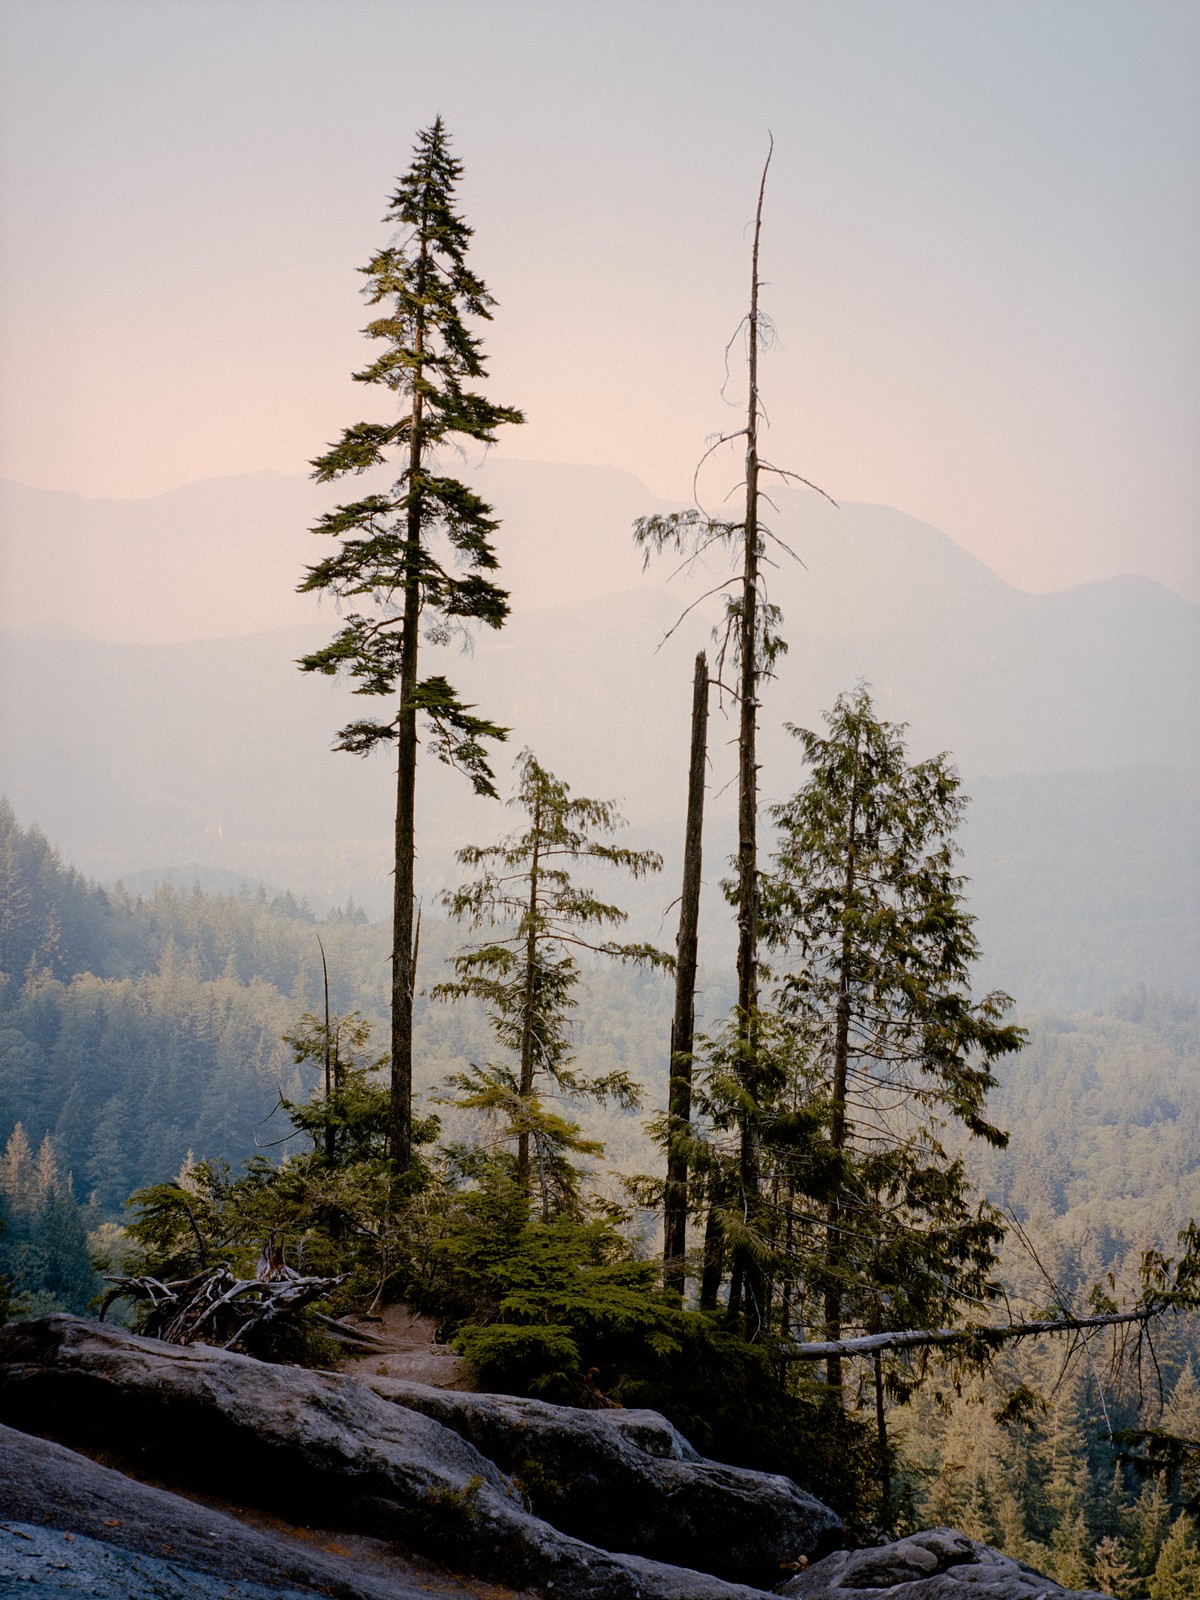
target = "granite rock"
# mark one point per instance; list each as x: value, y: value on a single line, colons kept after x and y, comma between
x: 938, y: 1564
x: 632, y: 1482
x: 314, y: 1447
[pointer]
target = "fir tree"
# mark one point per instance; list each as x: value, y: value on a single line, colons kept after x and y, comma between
x: 1111, y: 1568
x: 1177, y: 1571
x: 419, y: 555
x: 864, y: 908
x: 527, y: 972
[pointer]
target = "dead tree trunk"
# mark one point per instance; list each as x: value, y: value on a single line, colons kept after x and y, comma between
x: 997, y: 1334
x: 750, y: 1276
x: 683, y: 1024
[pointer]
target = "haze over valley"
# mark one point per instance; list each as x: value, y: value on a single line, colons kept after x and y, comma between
x: 153, y: 720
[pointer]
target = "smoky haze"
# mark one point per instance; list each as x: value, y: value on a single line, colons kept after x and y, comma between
x: 153, y: 718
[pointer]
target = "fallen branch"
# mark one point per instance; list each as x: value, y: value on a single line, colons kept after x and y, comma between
x: 919, y: 1338
x: 345, y: 1334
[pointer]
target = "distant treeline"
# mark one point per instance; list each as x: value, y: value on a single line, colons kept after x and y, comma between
x: 134, y: 1029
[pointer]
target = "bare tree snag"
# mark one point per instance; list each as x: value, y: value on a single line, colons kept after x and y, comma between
x: 683, y: 1024
x: 750, y: 1277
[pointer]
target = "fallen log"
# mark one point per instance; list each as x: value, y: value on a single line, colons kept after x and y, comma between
x: 869, y: 1344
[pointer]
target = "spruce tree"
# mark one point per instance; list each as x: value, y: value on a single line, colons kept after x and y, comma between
x: 1177, y: 1571
x: 418, y: 556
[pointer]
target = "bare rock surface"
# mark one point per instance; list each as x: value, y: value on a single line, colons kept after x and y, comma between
x: 406, y: 1347
x: 58, y: 1566
x: 317, y: 1448
x: 69, y: 1524
x: 631, y: 1481
x: 938, y: 1564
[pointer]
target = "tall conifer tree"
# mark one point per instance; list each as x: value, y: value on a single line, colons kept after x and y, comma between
x: 866, y: 909
x: 420, y: 554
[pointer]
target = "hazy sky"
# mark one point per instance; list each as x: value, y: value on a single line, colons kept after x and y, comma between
x: 982, y: 243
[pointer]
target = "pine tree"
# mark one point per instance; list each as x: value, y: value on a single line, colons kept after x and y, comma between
x: 18, y: 1171
x: 16, y: 907
x: 526, y: 974
x: 61, y: 1240
x: 1149, y: 1522
x: 864, y: 908
x: 419, y: 555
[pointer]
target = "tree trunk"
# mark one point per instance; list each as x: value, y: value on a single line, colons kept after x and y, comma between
x: 885, y: 1468
x: 403, y: 955
x: 867, y: 1344
x: 527, y: 1063
x: 747, y: 858
x: 837, y: 1126
x: 683, y: 1025
x: 328, y: 1055
x: 714, y: 1260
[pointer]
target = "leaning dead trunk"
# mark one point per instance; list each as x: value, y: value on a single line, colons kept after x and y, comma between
x: 683, y: 1025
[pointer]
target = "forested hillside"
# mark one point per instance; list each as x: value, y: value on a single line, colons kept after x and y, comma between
x: 134, y: 1027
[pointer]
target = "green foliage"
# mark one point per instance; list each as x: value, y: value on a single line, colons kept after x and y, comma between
x: 1177, y: 1571
x: 566, y: 1311
x: 338, y: 1209
x: 876, y: 1038
x: 160, y: 1033
x: 525, y: 975
x: 419, y: 554
x: 45, y: 1264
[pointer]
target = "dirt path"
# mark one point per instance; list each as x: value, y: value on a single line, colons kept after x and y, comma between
x: 407, y: 1349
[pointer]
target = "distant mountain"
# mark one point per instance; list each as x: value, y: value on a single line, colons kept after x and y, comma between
x: 181, y: 732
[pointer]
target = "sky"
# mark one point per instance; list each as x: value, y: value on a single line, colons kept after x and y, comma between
x: 981, y: 244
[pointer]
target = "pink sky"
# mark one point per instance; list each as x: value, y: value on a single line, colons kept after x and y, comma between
x: 982, y: 244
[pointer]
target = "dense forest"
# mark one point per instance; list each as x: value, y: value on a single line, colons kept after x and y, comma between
x: 138, y: 1030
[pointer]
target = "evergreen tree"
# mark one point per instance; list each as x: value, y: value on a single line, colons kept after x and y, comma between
x: 18, y: 1170
x: 1177, y: 1571
x: 1111, y: 1568
x: 392, y: 561
x: 527, y: 972
x: 1149, y: 1523
x: 16, y: 908
x: 62, y: 1242
x: 865, y: 910
x: 43, y: 1249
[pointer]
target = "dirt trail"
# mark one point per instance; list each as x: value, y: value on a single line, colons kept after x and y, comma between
x: 407, y: 1349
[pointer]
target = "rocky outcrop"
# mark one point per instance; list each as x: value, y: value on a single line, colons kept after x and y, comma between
x: 74, y: 1526
x: 939, y: 1564
x: 632, y: 1482
x: 314, y: 1447
x: 343, y: 1483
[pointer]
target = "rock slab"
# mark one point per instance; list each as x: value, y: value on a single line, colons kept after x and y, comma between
x: 69, y: 1522
x: 938, y: 1564
x: 311, y: 1446
x: 632, y: 1482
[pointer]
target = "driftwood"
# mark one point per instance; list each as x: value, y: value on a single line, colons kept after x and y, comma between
x: 216, y: 1307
